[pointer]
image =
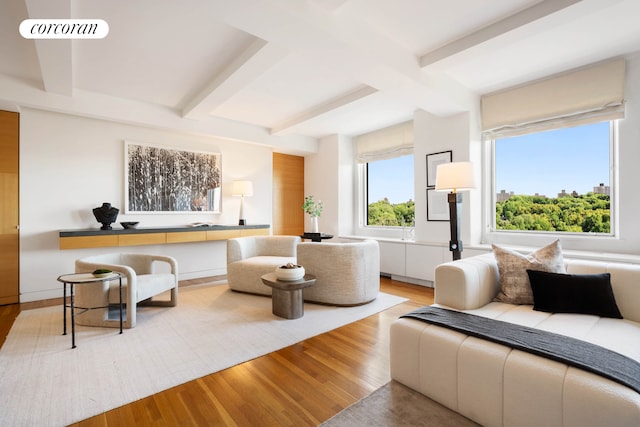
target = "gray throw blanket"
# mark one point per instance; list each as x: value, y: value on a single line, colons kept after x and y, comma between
x: 573, y: 352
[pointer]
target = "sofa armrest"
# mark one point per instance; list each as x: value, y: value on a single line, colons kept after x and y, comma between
x: 173, y: 263
x: 143, y: 263
x: 468, y: 283
x: 283, y: 246
x: 240, y: 248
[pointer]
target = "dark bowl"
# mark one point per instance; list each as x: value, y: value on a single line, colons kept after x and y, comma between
x: 133, y: 224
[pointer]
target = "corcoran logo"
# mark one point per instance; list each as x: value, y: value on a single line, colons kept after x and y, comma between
x: 64, y: 28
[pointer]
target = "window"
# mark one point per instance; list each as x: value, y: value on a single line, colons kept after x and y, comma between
x: 389, y: 192
x: 555, y: 181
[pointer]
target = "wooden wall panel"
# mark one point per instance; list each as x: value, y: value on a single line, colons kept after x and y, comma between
x: 288, y: 194
x: 188, y: 236
x: 223, y: 234
x: 88, y: 242
x: 142, y: 239
x: 9, y: 208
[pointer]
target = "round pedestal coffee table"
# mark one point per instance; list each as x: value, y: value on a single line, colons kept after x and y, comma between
x: 286, y: 297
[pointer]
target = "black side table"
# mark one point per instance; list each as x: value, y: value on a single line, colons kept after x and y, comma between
x: 316, y: 237
x: 77, y: 278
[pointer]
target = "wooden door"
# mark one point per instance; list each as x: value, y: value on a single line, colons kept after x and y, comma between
x: 9, y: 208
x: 288, y: 194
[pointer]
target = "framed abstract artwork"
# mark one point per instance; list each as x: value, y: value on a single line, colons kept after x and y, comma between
x: 167, y: 180
x: 433, y: 160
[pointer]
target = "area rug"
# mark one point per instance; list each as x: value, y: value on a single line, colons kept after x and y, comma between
x: 396, y: 405
x: 43, y: 382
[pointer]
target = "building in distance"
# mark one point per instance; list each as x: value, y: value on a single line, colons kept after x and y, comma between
x: 503, y: 195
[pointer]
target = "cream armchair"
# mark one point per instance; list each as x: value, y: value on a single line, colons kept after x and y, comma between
x: 347, y: 273
x: 248, y: 258
x: 140, y: 284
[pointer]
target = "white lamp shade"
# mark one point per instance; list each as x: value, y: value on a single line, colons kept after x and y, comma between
x: 457, y: 176
x: 242, y: 188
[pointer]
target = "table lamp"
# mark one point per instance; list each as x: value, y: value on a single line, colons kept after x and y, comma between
x: 455, y: 177
x: 242, y: 189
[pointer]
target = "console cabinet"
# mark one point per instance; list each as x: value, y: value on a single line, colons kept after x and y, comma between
x: 392, y: 256
x: 421, y: 260
x: 413, y: 261
x: 418, y: 260
x: 93, y: 238
x: 410, y: 260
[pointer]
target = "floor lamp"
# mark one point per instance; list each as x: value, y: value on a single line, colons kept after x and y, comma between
x: 455, y: 177
x: 242, y: 188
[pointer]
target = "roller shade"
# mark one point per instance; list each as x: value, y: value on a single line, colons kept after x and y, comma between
x: 387, y: 143
x: 590, y: 94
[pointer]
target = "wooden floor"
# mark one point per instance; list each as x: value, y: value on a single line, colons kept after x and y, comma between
x: 301, y: 385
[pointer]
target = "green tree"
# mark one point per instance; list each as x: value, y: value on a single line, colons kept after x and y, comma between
x: 405, y: 212
x: 384, y: 213
x: 381, y: 213
x: 588, y: 213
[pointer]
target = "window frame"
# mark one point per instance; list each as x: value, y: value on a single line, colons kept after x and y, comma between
x: 492, y: 235
x: 363, y: 198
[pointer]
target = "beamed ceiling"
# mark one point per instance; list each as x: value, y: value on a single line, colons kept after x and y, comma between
x: 289, y: 72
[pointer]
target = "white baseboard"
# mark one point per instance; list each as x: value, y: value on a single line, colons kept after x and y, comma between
x: 203, y: 273
x: 413, y: 281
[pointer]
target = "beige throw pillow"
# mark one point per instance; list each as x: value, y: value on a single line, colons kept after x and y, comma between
x: 515, y: 287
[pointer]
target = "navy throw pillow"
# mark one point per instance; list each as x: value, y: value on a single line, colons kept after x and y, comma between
x: 573, y: 293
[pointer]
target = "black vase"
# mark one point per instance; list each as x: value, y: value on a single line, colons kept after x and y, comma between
x: 106, y: 215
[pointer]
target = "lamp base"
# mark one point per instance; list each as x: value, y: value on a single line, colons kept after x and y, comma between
x: 456, y: 249
x: 455, y: 244
x: 242, y: 222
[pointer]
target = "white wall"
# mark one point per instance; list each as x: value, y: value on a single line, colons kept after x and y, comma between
x: 324, y: 176
x: 434, y: 134
x: 346, y: 190
x: 69, y: 165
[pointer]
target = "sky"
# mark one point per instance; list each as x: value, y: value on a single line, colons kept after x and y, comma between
x: 549, y: 162
x: 392, y: 179
x: 545, y: 163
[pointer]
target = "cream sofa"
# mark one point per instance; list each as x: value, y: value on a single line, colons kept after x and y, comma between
x: 347, y: 273
x: 248, y: 258
x: 497, y: 386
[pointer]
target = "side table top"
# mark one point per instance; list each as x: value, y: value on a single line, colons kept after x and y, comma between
x: 87, y: 277
x: 316, y: 237
x: 270, y: 279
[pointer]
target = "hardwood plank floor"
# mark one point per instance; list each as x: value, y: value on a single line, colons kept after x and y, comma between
x: 300, y: 385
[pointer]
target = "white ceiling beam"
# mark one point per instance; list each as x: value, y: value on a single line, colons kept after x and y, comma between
x: 55, y: 56
x: 302, y: 26
x: 244, y: 69
x: 324, y: 108
x: 517, y: 20
x: 138, y: 113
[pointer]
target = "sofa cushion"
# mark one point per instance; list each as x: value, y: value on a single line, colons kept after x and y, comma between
x: 573, y: 293
x: 512, y: 266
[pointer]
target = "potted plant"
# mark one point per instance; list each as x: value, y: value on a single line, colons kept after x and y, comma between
x: 314, y: 209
